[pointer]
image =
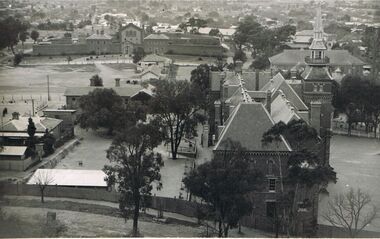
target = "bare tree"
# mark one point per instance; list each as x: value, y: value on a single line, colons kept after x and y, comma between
x: 353, y: 211
x: 43, y: 178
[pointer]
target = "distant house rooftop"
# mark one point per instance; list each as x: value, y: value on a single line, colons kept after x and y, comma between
x: 21, y: 124
x: 70, y: 177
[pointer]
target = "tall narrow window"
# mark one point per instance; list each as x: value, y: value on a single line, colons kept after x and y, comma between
x: 271, y: 209
x: 272, y: 185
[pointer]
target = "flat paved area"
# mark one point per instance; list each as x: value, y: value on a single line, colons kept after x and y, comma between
x: 357, y: 163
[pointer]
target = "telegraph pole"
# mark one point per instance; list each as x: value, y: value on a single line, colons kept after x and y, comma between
x: 32, y: 107
x: 48, y: 87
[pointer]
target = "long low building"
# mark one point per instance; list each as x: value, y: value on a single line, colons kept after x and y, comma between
x: 183, y: 44
x: 69, y: 178
x: 130, y: 91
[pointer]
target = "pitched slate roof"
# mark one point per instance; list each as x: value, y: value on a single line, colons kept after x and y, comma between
x: 316, y: 73
x: 125, y: 91
x: 292, y: 57
x: 277, y: 83
x: 41, y: 124
x: 247, y: 124
x: 249, y: 78
x: 282, y: 110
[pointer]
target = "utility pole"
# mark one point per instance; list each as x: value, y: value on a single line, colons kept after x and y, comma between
x: 48, y: 87
x: 32, y: 107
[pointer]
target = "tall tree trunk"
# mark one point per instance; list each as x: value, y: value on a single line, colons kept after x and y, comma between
x: 136, y: 216
x: 42, y: 194
x: 220, y: 233
x: 226, y: 230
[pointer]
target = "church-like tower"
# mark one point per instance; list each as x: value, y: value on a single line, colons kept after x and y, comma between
x: 317, y: 86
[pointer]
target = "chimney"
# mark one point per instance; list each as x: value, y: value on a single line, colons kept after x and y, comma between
x: 269, y: 101
x: 117, y: 82
x: 315, y: 115
x: 218, y: 113
x: 257, y: 86
x: 15, y: 115
x: 238, y: 67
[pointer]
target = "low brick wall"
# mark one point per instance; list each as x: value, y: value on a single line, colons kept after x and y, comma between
x: 337, y: 232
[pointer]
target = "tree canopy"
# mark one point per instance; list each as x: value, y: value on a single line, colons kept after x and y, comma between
x: 10, y: 30
x: 135, y: 167
x: 224, y: 184
x: 103, y: 108
x: 176, y: 104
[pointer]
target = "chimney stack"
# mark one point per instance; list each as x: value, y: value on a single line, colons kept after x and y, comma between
x: 269, y: 101
x: 117, y: 82
x: 15, y: 115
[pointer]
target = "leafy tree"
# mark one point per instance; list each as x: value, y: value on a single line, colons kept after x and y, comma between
x: 23, y: 36
x: 99, y: 109
x: 260, y: 63
x: 353, y: 211
x: 17, y: 59
x: 34, y: 35
x: 224, y: 184
x: 197, y: 23
x: 240, y: 56
x: 304, y: 166
x: 246, y: 31
x: 345, y: 18
x: 176, y: 104
x: 135, y: 167
x: 138, y: 54
x: 31, y: 132
x: 48, y: 143
x: 10, y: 29
x: 214, y: 32
x: 302, y: 25
x: 201, y: 77
x: 96, y: 80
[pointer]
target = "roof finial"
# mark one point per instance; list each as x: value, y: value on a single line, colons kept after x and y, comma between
x: 318, y: 26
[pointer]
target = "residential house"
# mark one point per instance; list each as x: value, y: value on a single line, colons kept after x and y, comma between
x: 15, y: 131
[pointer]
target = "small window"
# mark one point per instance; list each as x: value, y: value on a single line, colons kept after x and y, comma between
x: 271, y: 209
x: 272, y: 185
x: 73, y: 99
